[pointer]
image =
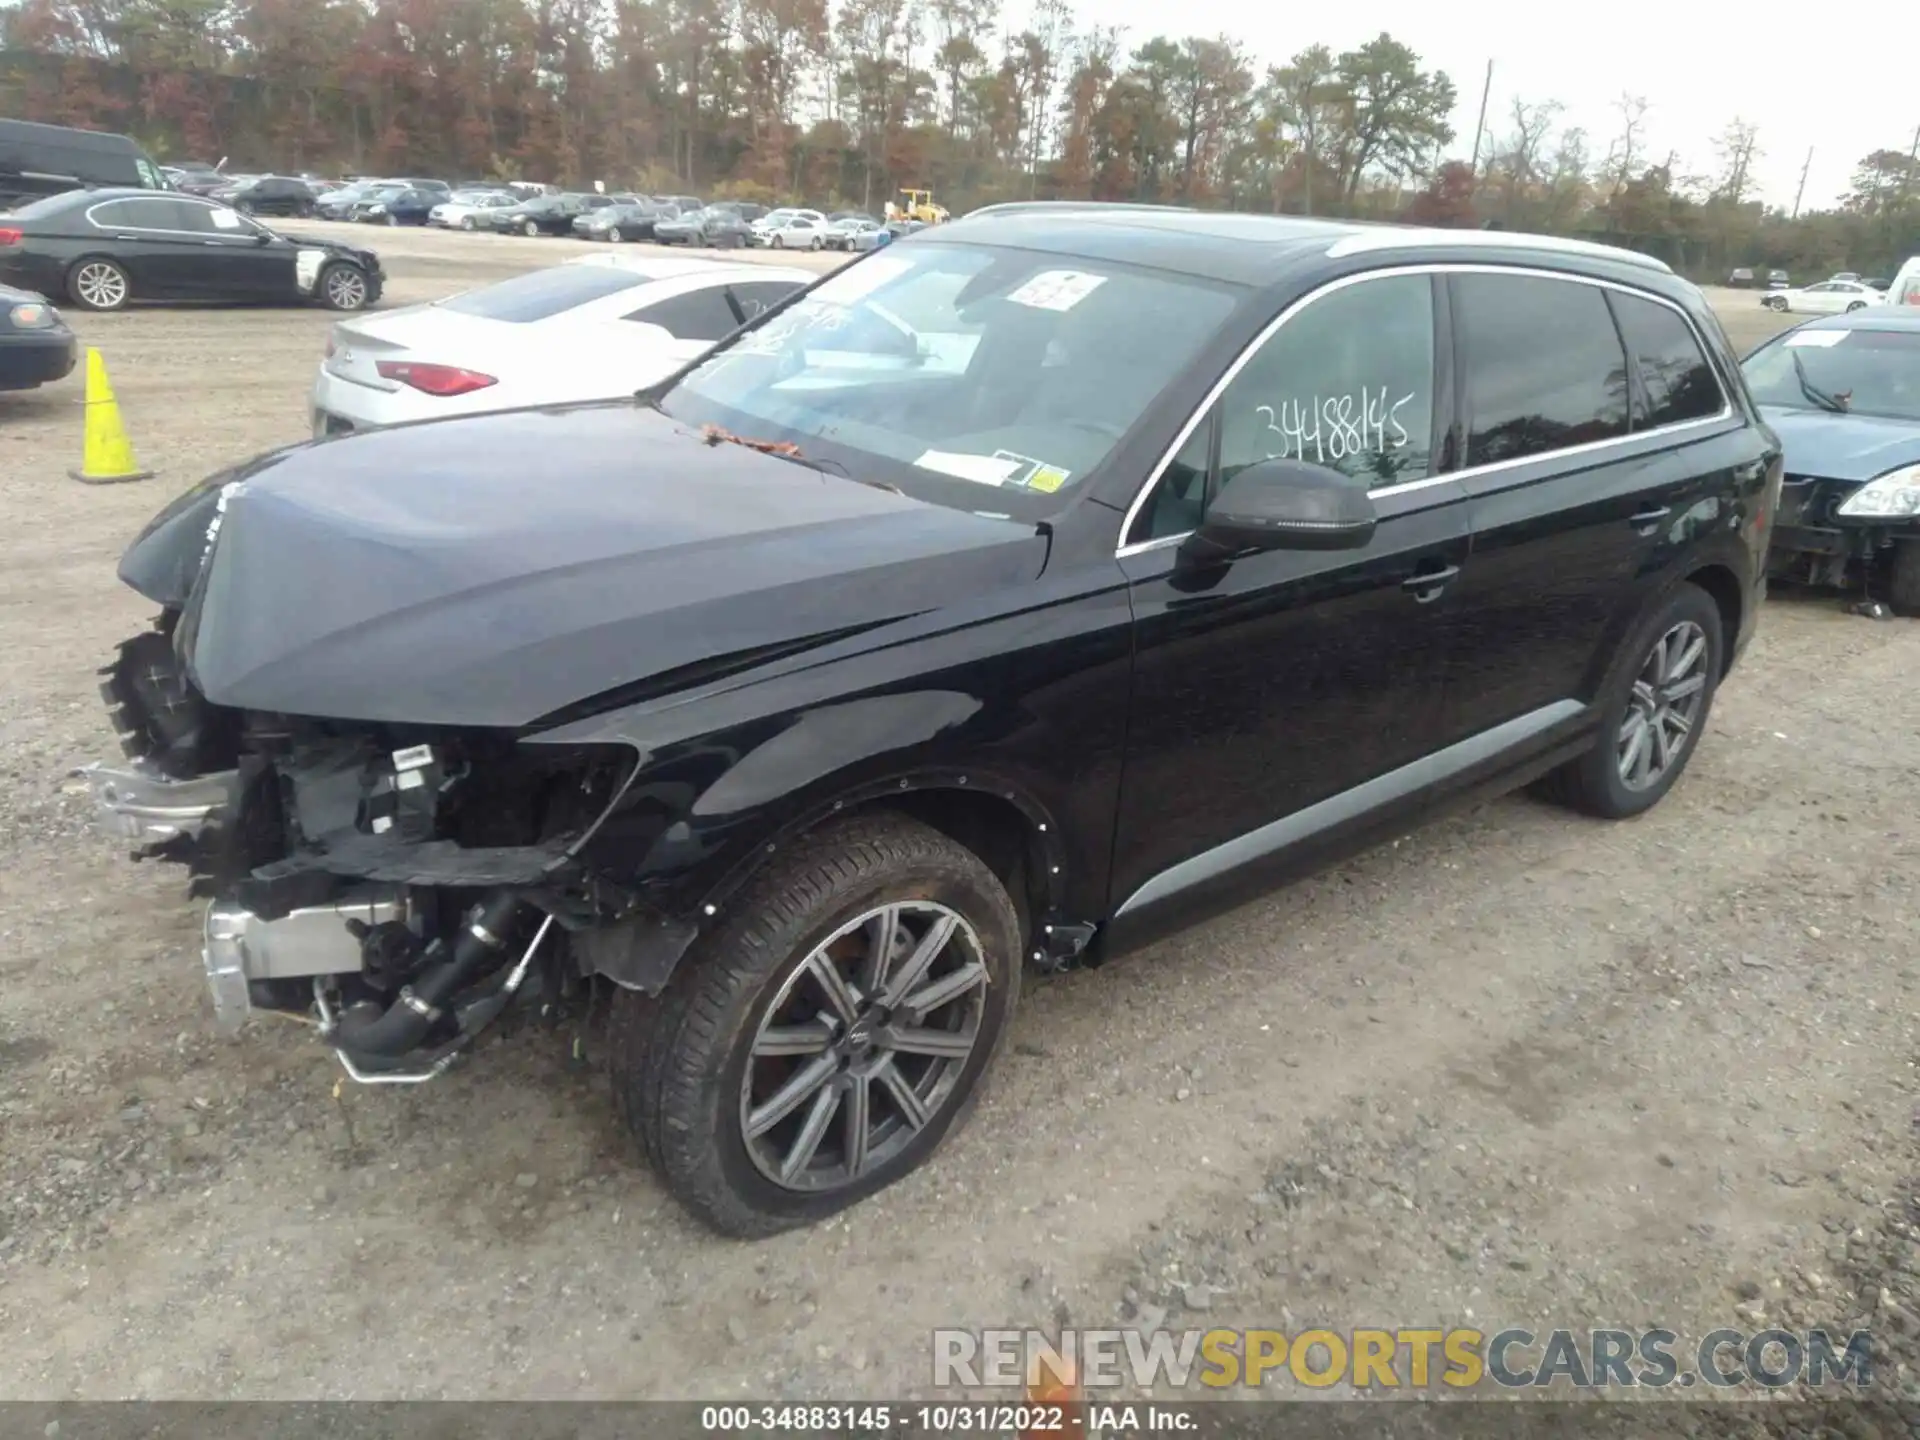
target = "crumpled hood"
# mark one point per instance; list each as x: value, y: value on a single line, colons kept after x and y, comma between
x: 492, y: 570
x: 1826, y: 446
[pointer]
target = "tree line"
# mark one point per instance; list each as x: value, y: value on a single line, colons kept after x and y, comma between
x: 850, y: 101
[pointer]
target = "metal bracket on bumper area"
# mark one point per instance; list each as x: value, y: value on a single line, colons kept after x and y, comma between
x: 138, y: 804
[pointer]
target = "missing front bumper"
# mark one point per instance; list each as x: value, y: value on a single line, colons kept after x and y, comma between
x: 138, y: 804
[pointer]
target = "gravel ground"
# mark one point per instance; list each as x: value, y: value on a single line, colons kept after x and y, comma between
x: 1518, y: 1068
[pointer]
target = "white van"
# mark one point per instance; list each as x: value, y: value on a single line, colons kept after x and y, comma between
x: 1905, y: 289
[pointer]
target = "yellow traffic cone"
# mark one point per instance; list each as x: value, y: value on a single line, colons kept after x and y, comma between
x: 107, y: 457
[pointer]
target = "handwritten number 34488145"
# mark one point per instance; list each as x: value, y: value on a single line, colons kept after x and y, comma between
x: 1335, y: 427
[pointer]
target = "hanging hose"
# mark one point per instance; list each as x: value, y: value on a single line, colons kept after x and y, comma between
x: 377, y: 1041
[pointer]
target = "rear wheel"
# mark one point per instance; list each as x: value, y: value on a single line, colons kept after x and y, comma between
x: 1657, y: 708
x: 97, y: 283
x: 343, y: 286
x: 822, y: 1044
x: 1856, y: 305
x: 814, y: 244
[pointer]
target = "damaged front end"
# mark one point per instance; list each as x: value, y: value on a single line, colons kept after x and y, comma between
x: 398, y: 887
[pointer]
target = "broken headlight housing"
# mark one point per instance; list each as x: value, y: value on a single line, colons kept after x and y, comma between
x: 1893, y: 496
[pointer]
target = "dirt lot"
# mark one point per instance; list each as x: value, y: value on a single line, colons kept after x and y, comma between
x: 1517, y: 1068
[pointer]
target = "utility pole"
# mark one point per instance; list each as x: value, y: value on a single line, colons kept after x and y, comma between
x: 1481, y: 125
x: 1800, y: 194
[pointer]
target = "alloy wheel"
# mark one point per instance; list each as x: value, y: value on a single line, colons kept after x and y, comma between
x: 863, y: 1046
x: 100, y: 286
x: 1664, y: 707
x: 346, y: 288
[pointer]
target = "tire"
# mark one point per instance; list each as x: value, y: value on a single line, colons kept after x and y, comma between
x: 613, y: 234
x: 686, y: 1080
x: 1903, y: 578
x: 777, y: 242
x: 1595, y: 783
x: 1856, y: 305
x: 343, y: 286
x: 530, y: 230
x: 466, y: 222
x: 392, y: 219
x: 97, y: 283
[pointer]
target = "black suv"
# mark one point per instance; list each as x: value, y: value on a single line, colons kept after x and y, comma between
x: 1053, y: 578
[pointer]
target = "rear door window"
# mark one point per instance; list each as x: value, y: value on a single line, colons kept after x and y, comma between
x: 693, y: 315
x: 1545, y: 369
x: 543, y: 293
x: 155, y: 214
x: 1676, y: 382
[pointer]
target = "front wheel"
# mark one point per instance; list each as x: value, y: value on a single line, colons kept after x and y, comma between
x: 530, y: 230
x: 392, y: 219
x: 822, y: 1043
x: 614, y: 235
x: 1654, y: 714
x: 343, y: 286
x: 466, y: 222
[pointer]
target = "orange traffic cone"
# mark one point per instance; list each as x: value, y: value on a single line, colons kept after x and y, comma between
x: 106, y: 456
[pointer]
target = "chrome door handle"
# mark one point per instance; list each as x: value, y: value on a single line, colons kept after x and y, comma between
x: 1427, y: 585
x: 1645, y: 520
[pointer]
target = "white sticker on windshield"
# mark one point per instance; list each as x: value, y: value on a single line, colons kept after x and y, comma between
x: 861, y: 279
x: 1818, y: 339
x: 985, y: 469
x: 225, y: 220
x: 1057, y: 289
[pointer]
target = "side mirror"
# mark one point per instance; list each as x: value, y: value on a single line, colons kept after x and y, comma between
x: 1283, y: 505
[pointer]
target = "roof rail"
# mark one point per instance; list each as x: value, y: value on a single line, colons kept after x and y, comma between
x: 1402, y: 237
x: 1011, y: 207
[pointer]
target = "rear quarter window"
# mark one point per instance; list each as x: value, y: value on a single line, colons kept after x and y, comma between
x: 543, y: 293
x: 1545, y: 368
x: 1676, y: 381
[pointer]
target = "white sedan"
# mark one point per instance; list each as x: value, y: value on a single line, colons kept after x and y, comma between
x: 459, y: 209
x: 596, y: 328
x: 798, y: 230
x: 1829, y: 297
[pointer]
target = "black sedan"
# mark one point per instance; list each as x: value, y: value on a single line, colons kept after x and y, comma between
x: 103, y: 249
x: 270, y: 195
x: 404, y: 206
x: 542, y: 215
x: 35, y: 344
x: 622, y: 220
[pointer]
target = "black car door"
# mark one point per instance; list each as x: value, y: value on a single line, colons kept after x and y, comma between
x: 1587, y: 471
x: 238, y: 260
x: 1279, y: 700
x: 152, y: 239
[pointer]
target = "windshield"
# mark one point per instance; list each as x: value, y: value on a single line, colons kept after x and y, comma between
x: 1855, y: 372
x: 976, y: 376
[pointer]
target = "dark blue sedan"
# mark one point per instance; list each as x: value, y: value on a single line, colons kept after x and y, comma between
x: 36, y: 347
x: 1843, y: 393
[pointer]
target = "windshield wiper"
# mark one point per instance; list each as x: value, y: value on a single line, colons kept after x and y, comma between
x: 1836, y: 403
x: 787, y: 450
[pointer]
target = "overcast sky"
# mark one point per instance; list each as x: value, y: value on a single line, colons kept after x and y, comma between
x: 1698, y: 66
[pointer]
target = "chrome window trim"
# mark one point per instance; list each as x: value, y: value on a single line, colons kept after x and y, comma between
x: 1254, y: 346
x: 1365, y: 242
x: 171, y: 196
